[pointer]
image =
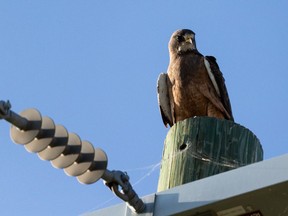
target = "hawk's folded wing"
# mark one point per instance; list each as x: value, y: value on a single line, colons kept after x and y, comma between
x: 220, y: 81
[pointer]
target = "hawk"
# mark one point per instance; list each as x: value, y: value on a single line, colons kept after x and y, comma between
x: 193, y: 84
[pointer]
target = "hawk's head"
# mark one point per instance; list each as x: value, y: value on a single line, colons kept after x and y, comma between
x: 182, y: 41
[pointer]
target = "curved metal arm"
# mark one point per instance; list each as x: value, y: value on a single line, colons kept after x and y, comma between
x: 114, y: 179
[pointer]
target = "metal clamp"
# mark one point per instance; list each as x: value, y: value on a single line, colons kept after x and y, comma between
x: 114, y: 179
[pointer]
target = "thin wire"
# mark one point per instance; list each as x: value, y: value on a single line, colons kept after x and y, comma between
x: 200, y: 156
x: 99, y: 206
x: 226, y: 162
x: 141, y: 168
x: 153, y: 168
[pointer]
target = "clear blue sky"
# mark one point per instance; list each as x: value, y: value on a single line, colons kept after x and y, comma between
x: 92, y: 66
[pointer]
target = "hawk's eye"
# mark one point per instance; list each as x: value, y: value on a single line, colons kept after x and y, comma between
x: 180, y: 38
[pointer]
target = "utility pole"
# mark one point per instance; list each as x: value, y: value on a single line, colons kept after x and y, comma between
x: 199, y: 147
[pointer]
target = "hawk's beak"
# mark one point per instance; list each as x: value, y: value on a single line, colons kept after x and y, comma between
x: 189, y: 40
x: 188, y: 44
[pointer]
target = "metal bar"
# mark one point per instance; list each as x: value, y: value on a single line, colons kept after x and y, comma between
x: 107, y: 176
x: 17, y: 120
x: 12, y: 117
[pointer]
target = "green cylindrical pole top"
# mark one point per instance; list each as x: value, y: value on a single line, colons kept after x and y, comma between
x: 199, y: 147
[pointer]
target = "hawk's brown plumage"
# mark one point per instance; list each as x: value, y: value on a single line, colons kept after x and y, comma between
x: 194, y: 85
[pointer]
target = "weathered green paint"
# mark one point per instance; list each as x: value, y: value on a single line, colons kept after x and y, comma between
x: 202, y: 146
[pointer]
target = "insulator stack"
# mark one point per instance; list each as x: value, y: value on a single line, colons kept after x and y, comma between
x: 63, y: 149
